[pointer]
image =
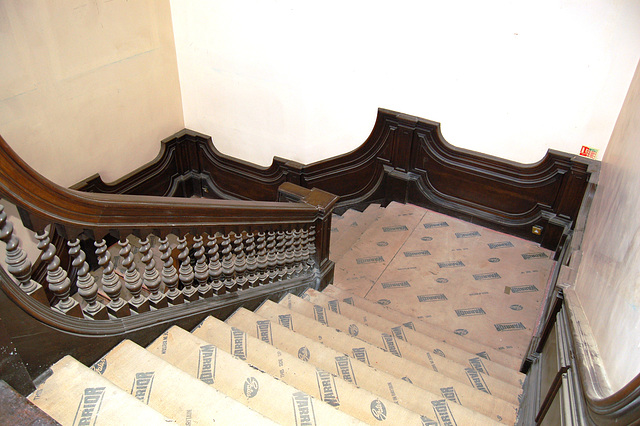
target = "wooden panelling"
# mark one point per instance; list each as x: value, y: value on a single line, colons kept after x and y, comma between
x: 404, y: 159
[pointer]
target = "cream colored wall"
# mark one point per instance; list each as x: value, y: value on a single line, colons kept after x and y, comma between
x: 87, y: 86
x: 608, y: 281
x: 303, y: 80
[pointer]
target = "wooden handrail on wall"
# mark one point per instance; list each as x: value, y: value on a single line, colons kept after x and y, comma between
x: 254, y: 250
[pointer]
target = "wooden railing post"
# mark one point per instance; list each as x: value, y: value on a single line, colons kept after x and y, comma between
x: 324, y: 203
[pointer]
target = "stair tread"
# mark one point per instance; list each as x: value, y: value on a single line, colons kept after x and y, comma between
x: 362, y: 374
x: 428, y: 379
x: 170, y: 390
x: 396, y: 342
x: 352, y: 229
x: 318, y: 383
x: 442, y: 349
x: 74, y: 394
x: 233, y: 376
x: 425, y: 328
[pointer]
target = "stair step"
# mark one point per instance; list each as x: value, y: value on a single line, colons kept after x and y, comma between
x: 170, y: 390
x: 481, y: 401
x: 390, y: 342
x: 425, y: 328
x: 362, y: 374
x: 350, y: 229
x: 443, y: 350
x: 302, y: 375
x: 231, y: 375
x: 361, y: 266
x: 74, y: 394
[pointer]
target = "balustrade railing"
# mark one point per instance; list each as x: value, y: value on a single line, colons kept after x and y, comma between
x: 169, y: 251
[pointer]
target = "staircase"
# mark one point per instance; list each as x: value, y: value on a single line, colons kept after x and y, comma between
x: 439, y: 312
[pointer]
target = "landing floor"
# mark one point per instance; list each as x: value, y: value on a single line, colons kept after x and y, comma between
x: 476, y: 282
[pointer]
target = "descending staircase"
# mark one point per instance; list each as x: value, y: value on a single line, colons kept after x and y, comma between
x: 435, y: 346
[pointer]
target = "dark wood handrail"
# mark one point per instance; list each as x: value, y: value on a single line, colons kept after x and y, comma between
x: 42, y: 202
x: 603, y: 405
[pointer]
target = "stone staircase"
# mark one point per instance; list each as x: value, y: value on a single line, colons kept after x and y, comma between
x: 383, y: 345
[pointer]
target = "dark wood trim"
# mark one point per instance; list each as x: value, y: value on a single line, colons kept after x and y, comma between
x: 404, y: 159
x: 42, y: 335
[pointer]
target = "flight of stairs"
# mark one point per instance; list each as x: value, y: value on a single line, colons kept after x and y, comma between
x: 326, y: 358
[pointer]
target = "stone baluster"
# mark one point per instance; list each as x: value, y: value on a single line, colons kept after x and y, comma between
x: 86, y: 283
x: 111, y: 282
x: 297, y: 252
x: 215, y: 267
x: 132, y: 278
x: 169, y: 273
x: 262, y: 264
x: 202, y: 269
x: 151, y: 278
x: 185, y: 272
x: 59, y: 282
x: 227, y: 265
x: 240, y: 265
x: 17, y: 262
x: 272, y: 261
x: 252, y: 262
x: 288, y: 254
x: 281, y: 266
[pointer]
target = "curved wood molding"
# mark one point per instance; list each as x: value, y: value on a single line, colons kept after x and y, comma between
x: 42, y: 202
x: 603, y: 406
x: 404, y: 159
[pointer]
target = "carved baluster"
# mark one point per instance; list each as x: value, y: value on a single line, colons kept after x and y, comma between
x: 240, y: 266
x: 59, y: 282
x: 87, y: 287
x: 169, y: 274
x: 252, y: 262
x: 312, y: 247
x: 272, y: 261
x: 227, y: 265
x: 111, y: 282
x: 297, y: 252
x: 262, y: 263
x: 305, y: 250
x: 288, y: 254
x: 281, y: 266
x: 17, y: 262
x: 151, y: 278
x: 186, y: 271
x: 215, y: 267
x: 201, y: 269
x: 132, y: 279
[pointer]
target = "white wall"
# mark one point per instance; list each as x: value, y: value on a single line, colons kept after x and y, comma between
x: 87, y: 86
x: 608, y: 281
x: 303, y: 80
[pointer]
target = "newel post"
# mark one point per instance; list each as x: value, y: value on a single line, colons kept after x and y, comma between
x: 320, y: 232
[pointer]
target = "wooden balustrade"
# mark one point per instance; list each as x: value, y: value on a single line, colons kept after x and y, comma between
x: 160, y: 271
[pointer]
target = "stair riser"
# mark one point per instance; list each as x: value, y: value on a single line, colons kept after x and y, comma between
x: 452, y: 353
x: 73, y: 394
x: 169, y: 390
x: 378, y: 382
x: 237, y: 379
x: 422, y: 327
x: 420, y: 376
x: 318, y: 383
x: 389, y: 341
